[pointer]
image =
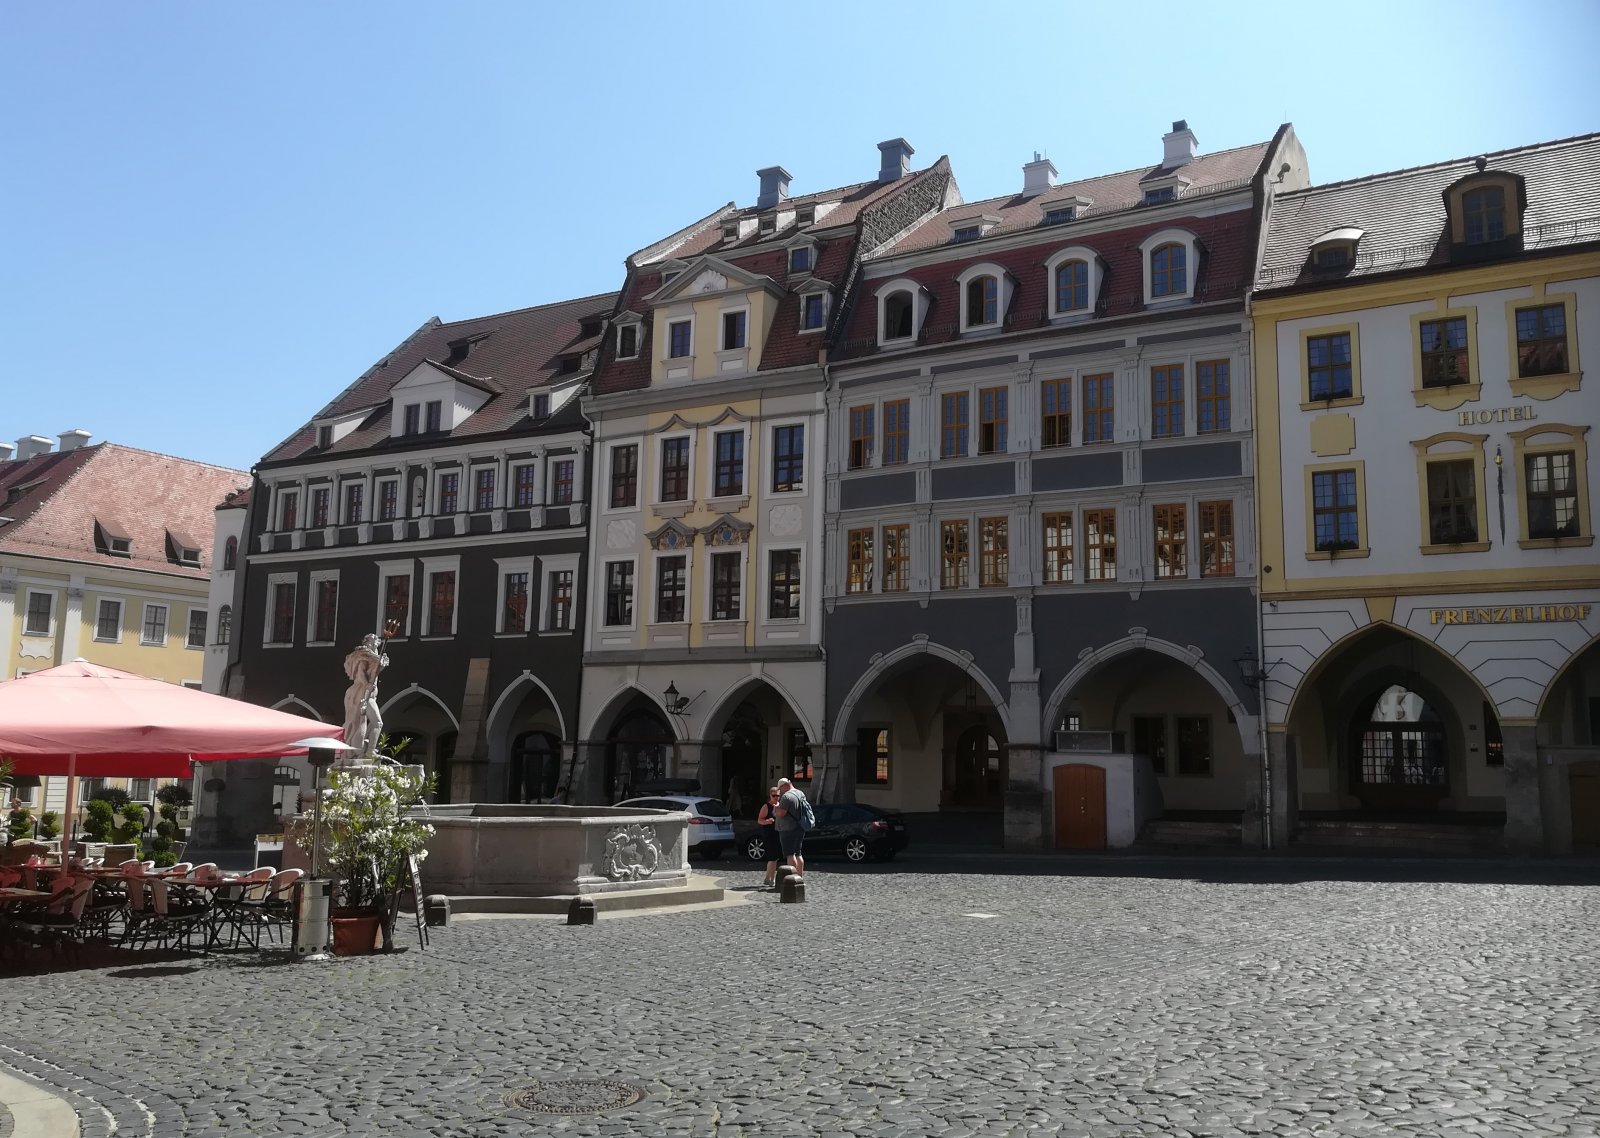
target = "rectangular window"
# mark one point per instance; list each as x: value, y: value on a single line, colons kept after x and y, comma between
x: 783, y: 594
x: 324, y: 436
x: 800, y: 259
x: 1213, y: 406
x: 730, y: 464
x: 155, y: 624
x: 1166, y: 401
x: 325, y: 628
x: 1194, y: 745
x: 811, y: 311
x: 483, y: 488
x: 797, y: 754
x: 896, y: 558
x: 1328, y: 370
x: 1216, y: 539
x: 992, y: 414
x: 396, y: 603
x: 108, y: 622
x: 858, y: 543
x: 671, y: 573
x: 40, y: 608
x: 561, y: 482
x: 1542, y: 341
x: 524, y: 488
x: 725, y: 591
x: 627, y: 341
x: 624, y: 476
x: 282, y: 613
x: 354, y: 493
x: 872, y: 756
x: 442, y: 603
x: 435, y: 415
x: 1099, y: 545
x: 953, y: 424
x: 678, y: 339
x: 619, y: 593
x: 1057, y: 548
x: 994, y: 553
x: 388, y: 500
x: 1099, y: 408
x: 1150, y: 740
x: 1452, y: 502
x: 514, y: 603
x: 954, y: 555
x: 558, y: 613
x: 896, y: 431
x: 732, y: 330
x: 1335, y: 523
x: 289, y: 510
x: 541, y: 401
x: 319, y: 506
x: 413, y: 418
x: 449, y: 492
x: 1552, y: 494
x: 1172, y: 541
x: 1444, y: 352
x: 861, y: 436
x: 1055, y: 412
x: 674, y: 470
x: 789, y: 458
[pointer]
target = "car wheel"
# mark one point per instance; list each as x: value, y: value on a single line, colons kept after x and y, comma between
x: 856, y: 849
x: 758, y: 849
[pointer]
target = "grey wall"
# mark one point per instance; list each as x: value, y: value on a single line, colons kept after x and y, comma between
x: 1198, y: 460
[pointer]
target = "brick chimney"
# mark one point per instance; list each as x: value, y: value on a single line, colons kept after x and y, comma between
x: 1038, y: 176
x: 1178, y: 146
x: 30, y: 446
x: 894, y: 159
x: 774, y: 186
x: 72, y: 440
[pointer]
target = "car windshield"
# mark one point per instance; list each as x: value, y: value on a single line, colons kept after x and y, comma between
x: 711, y: 808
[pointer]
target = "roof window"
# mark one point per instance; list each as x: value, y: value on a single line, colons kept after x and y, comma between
x: 1057, y: 216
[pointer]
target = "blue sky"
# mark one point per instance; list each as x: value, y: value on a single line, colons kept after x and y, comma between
x: 217, y: 215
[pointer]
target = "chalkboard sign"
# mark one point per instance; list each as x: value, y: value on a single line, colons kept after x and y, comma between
x: 416, y: 893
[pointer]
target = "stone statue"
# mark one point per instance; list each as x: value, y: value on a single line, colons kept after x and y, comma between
x: 363, y: 722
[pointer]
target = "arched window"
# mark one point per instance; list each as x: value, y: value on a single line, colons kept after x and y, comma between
x: 224, y: 624
x: 1168, y: 275
x: 230, y: 553
x: 983, y: 301
x: 1072, y: 286
x: 897, y: 316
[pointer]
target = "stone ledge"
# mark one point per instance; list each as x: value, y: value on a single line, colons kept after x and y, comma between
x: 696, y: 891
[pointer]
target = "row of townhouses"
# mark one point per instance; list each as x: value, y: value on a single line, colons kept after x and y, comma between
x: 1192, y: 494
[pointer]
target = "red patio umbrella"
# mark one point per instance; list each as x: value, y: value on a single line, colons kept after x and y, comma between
x: 84, y: 720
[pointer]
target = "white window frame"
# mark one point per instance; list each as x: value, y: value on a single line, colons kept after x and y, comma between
x: 344, y: 501
x: 50, y: 618
x: 219, y: 625
x: 548, y: 568
x: 611, y: 447
x: 504, y: 568
x: 600, y: 595
x: 386, y: 569
x: 279, y: 492
x: 638, y: 339
x: 1004, y: 287
x: 825, y: 296
x: 743, y: 553
x: 499, y: 499
x: 463, y: 489
x: 666, y: 346
x: 771, y: 451
x: 539, y: 477
x: 656, y: 557
x: 188, y: 631
x: 730, y: 310
x: 919, y: 310
x: 166, y: 624
x: 273, y: 581
x: 377, y: 500
x: 431, y: 567
x: 1191, y: 263
x: 578, y: 487
x: 1095, y: 274
x: 316, y: 577
x: 659, y: 454
x: 767, y: 618
x: 100, y: 603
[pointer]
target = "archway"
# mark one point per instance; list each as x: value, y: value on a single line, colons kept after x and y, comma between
x: 1568, y: 736
x: 639, y: 749
x: 760, y: 735
x: 533, y: 767
x: 525, y: 730
x: 419, y: 729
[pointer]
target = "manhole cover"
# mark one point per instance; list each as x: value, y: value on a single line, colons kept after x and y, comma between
x: 575, y: 1096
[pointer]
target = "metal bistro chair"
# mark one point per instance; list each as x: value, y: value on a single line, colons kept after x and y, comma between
x: 60, y: 925
x: 174, y: 915
x: 271, y: 904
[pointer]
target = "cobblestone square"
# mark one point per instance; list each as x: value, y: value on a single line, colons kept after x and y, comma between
x: 1161, y: 998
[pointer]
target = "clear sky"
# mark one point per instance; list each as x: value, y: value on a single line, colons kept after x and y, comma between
x: 215, y: 215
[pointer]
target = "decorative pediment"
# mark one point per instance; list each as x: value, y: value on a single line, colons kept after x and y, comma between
x: 815, y: 284
x: 672, y: 535
x: 710, y: 275
x: 627, y: 316
x: 727, y: 530
x: 678, y: 422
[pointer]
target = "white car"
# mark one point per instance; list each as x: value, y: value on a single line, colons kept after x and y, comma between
x: 710, y: 824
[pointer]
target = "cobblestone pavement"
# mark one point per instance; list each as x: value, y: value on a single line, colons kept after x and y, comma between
x: 1272, y: 1000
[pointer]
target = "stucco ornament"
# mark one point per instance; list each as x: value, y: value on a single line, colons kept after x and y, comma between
x: 631, y: 853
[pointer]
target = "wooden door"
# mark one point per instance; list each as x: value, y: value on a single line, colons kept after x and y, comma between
x: 1080, y: 807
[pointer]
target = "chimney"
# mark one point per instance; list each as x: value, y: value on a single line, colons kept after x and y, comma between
x: 1038, y: 176
x: 774, y: 186
x: 29, y: 446
x: 72, y: 440
x: 894, y: 160
x: 1178, y: 147
x: 6, y: 451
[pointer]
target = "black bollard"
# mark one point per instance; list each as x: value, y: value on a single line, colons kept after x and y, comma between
x: 580, y: 912
x: 792, y: 891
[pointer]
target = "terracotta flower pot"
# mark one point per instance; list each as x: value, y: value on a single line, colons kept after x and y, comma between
x: 356, y: 934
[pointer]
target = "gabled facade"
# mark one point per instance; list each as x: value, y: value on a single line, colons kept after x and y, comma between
x: 1039, y: 558
x: 708, y: 414
x: 105, y: 554
x: 1427, y: 490
x: 440, y: 501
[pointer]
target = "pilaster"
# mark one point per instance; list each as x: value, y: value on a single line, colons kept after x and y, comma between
x: 1525, y: 829
x: 1024, y: 820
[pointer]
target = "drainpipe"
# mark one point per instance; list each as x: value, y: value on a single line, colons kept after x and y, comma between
x: 1261, y: 625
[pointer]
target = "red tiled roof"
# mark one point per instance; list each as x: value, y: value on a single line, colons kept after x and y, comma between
x: 60, y: 498
x: 510, y: 353
x: 236, y: 500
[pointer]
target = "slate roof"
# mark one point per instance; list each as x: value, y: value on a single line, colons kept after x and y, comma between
x: 508, y: 355
x: 1402, y: 213
x: 55, y: 501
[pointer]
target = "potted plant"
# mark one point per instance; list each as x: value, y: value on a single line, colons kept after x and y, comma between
x: 366, y: 843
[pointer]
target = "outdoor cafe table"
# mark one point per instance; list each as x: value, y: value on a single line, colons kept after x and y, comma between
x: 10, y: 895
x: 226, y: 910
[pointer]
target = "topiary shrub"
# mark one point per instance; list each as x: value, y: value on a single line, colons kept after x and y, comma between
x: 164, y: 859
x: 114, y: 795
x: 177, y: 794
x: 97, y: 826
x: 19, y: 825
x: 49, y: 824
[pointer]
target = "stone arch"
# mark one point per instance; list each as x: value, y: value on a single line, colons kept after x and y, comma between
x: 1330, y: 656
x: 1572, y: 660
x: 723, y: 707
x: 289, y: 701
x: 417, y: 691
x: 513, y: 690
x: 885, y: 665
x: 605, y: 719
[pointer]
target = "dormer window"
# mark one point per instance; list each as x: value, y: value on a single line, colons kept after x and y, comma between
x: 769, y: 223
x: 433, y: 413
x: 589, y: 329
x: 811, y: 312
x: 1170, y: 262
x: 1485, y: 207
x: 1058, y: 216
x: 1483, y: 214
x: 187, y: 556
x: 983, y: 301
x: 730, y: 232
x: 627, y: 341
x: 897, y: 316
x: 1335, y: 249
x: 122, y: 547
x: 541, y: 405
x: 1160, y: 194
x: 571, y: 364
x: 902, y: 307
x: 805, y: 215
x: 972, y: 228
x: 413, y: 418
x: 966, y: 233
x: 733, y: 330
x: 670, y: 275
x: 800, y: 259
x: 324, y: 436
x: 1333, y: 257
x: 1074, y: 275
x: 1169, y: 272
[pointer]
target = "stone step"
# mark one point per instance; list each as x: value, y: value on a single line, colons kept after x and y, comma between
x: 1165, y: 832
x: 698, y: 891
x: 1420, y: 836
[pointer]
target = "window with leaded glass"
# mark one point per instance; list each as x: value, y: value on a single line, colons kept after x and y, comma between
x: 1213, y: 406
x: 992, y: 416
x: 558, y: 608
x: 955, y: 557
x: 783, y: 578
x: 442, y: 603
x: 1452, y: 502
x: 671, y: 588
x: 524, y: 489
x: 324, y: 621
x: 861, y: 436
x: 1542, y: 340
x: 730, y: 464
x: 1055, y: 412
x: 624, y: 476
x: 1166, y: 401
x: 789, y: 458
x: 1072, y: 286
x: 619, y: 592
x: 896, y: 431
x: 282, y: 613
x: 1216, y: 539
x: 561, y: 482
x: 1551, y: 494
x: 1444, y: 351
x: 953, y: 424
x: 1172, y: 541
x: 449, y: 492
x: 1335, y: 521
x: 483, y: 488
x: 1099, y: 408
x: 320, y: 498
x: 1168, y: 270
x: 1057, y: 547
x: 858, y: 577
x: 1328, y: 371
x: 514, y: 602
x: 896, y: 558
x: 994, y: 553
x: 1099, y: 545
x: 397, y: 603
x: 725, y: 590
x: 674, y: 470
x: 354, y: 493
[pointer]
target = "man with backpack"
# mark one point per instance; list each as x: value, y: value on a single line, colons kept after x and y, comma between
x: 794, y: 818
